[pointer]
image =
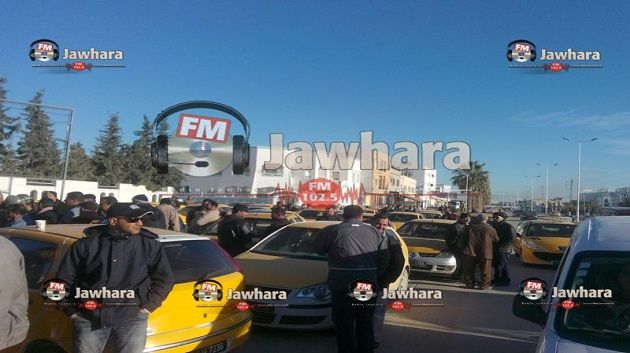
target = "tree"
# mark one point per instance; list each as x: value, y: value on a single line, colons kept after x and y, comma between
x: 37, y: 149
x: 79, y: 164
x: 8, y: 126
x: 107, y: 156
x: 139, y: 170
x: 478, y: 183
x: 10, y: 163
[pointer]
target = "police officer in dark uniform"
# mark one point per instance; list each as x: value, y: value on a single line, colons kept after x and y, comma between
x: 356, y: 252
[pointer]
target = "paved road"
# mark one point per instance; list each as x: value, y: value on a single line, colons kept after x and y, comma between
x: 469, y: 321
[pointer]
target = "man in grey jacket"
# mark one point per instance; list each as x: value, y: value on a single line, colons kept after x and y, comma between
x: 357, y: 252
x: 13, y: 296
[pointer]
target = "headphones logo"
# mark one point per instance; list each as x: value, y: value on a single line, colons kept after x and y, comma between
x: 208, y: 290
x: 54, y: 289
x: 44, y: 50
x: 363, y: 290
x: 521, y: 50
x: 533, y: 289
x: 201, y: 145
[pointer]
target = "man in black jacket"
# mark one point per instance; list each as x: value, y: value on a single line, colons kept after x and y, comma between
x: 118, y: 256
x: 278, y: 220
x: 235, y: 232
x: 503, y: 249
x: 329, y: 215
x: 392, y: 272
x: 154, y: 217
x: 357, y: 255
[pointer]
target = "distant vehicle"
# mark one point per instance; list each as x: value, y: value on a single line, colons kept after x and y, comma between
x: 615, y: 211
x: 528, y: 216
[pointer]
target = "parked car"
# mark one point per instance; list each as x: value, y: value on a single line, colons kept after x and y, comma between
x: 259, y: 221
x: 398, y: 218
x: 178, y: 325
x: 598, y: 258
x: 285, y: 261
x: 426, y: 241
x: 543, y: 242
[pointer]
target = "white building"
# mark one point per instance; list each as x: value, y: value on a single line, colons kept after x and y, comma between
x: 35, y: 186
x: 426, y: 180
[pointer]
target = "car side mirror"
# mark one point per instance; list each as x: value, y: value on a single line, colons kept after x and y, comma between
x: 529, y: 310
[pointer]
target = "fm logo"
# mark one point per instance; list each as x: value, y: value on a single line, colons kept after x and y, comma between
x: 521, y: 50
x: 44, y: 50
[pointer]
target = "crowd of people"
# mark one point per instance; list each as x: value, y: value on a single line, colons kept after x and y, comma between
x: 78, y: 208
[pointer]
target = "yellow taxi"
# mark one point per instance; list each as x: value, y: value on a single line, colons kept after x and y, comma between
x: 179, y: 325
x: 429, y: 214
x: 259, y: 222
x: 543, y: 242
x: 398, y: 218
x: 426, y: 240
x: 311, y: 214
x: 286, y: 262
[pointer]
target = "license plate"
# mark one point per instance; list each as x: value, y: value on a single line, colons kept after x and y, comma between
x: 215, y: 348
x: 420, y: 263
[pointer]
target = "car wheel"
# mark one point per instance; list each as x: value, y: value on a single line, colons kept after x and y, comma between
x: 47, y: 348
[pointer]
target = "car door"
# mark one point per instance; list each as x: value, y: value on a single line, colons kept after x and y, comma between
x: 520, y: 231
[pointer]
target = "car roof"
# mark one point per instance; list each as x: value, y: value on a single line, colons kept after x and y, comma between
x: 602, y: 233
x: 313, y: 224
x: 403, y: 212
x: 429, y: 220
x: 550, y: 221
x: 77, y: 231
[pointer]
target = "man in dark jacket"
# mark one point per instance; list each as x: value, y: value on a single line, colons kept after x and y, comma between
x: 455, y: 234
x: 89, y: 214
x: 154, y: 217
x: 73, y: 203
x: 392, y: 272
x: 357, y: 253
x: 478, y: 251
x: 235, y: 232
x: 47, y: 212
x: 503, y: 249
x: 118, y: 256
x: 278, y: 220
x: 59, y: 207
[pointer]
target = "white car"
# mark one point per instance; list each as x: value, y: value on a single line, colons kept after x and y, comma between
x: 588, y: 307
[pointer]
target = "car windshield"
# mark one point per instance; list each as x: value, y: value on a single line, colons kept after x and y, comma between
x: 551, y: 230
x: 193, y: 260
x: 397, y: 217
x: 291, y: 242
x: 424, y: 230
x: 311, y: 213
x: 602, y: 314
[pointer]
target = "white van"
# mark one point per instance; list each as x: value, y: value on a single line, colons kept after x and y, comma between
x: 596, y: 268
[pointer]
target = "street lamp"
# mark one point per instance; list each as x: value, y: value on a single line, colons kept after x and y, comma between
x: 546, y: 185
x: 577, y: 210
x: 531, y: 207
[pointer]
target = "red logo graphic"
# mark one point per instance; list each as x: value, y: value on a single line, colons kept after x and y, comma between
x: 203, y: 128
x: 90, y: 305
x: 79, y: 66
x: 320, y: 193
x: 242, y: 306
x: 398, y: 305
x: 556, y: 67
x: 568, y: 304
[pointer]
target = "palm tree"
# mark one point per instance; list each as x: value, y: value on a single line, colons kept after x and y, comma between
x: 478, y: 183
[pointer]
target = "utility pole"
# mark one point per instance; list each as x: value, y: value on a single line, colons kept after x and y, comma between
x: 571, y: 191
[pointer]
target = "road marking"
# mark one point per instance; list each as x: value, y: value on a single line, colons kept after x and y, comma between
x: 510, y: 335
x: 455, y: 287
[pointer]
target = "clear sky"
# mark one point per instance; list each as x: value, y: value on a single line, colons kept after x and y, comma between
x: 326, y: 70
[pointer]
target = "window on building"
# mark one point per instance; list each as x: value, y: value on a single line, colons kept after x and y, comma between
x: 335, y: 175
x: 102, y: 195
x: 34, y: 194
x: 154, y: 198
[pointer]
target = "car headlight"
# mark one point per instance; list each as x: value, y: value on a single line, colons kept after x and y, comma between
x: 412, y: 255
x: 530, y: 244
x: 315, y: 292
x: 444, y: 254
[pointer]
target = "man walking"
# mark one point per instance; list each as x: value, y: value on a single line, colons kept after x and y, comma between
x: 13, y: 296
x: 503, y: 249
x: 235, y: 232
x: 170, y: 214
x: 478, y: 250
x: 392, y: 272
x: 123, y: 256
x: 356, y: 252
